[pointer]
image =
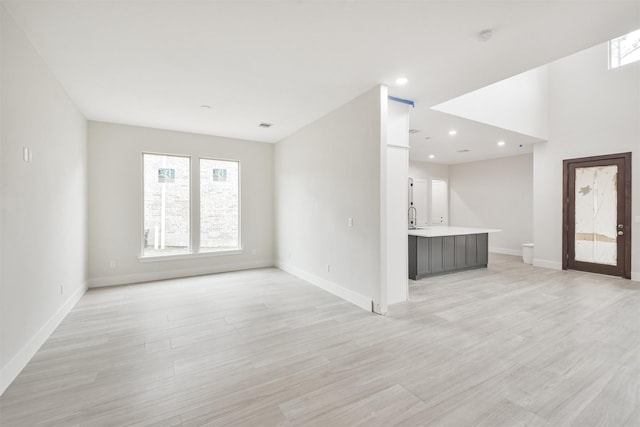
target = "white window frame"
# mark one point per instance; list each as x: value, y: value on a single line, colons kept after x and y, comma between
x: 194, y: 212
x: 197, y: 219
x: 609, y: 52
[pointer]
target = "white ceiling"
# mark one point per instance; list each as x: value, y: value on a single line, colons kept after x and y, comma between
x: 480, y: 139
x: 154, y: 63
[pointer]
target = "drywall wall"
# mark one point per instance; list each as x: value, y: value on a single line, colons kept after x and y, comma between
x: 393, y: 201
x: 115, y: 202
x: 495, y: 194
x: 593, y: 111
x: 327, y: 173
x: 428, y: 170
x: 44, y: 202
x: 519, y: 103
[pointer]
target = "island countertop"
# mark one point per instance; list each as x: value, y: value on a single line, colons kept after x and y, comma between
x: 443, y: 230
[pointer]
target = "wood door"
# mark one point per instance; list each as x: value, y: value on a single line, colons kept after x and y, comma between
x: 597, y: 214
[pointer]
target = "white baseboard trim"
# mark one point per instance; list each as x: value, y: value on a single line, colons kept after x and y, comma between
x: 635, y: 276
x: 123, y: 279
x: 12, y: 369
x: 327, y: 285
x: 553, y: 265
x: 505, y: 251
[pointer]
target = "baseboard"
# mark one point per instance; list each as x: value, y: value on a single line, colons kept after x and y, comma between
x: 97, y: 282
x: 553, y: 265
x: 10, y: 371
x: 327, y: 285
x: 505, y: 251
x: 635, y: 275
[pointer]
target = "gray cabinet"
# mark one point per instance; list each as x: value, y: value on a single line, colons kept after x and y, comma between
x: 430, y: 256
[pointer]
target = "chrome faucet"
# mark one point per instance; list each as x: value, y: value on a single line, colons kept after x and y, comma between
x: 412, y: 218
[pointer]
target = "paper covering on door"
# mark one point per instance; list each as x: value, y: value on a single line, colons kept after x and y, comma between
x: 596, y: 214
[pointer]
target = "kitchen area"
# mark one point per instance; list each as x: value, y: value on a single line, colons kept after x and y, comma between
x: 435, y: 247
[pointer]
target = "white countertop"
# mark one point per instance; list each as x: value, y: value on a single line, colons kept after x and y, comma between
x: 443, y: 230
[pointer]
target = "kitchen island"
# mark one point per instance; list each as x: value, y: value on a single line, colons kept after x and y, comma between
x: 441, y: 249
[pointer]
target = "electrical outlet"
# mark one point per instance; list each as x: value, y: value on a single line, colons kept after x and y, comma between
x: 253, y: 251
x: 26, y: 154
x: 350, y: 222
x: 112, y: 264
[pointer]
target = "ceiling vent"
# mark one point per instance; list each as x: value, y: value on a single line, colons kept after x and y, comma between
x: 464, y: 150
x: 485, y: 35
x: 265, y: 125
x: 414, y: 130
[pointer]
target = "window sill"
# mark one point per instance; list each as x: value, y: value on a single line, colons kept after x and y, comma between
x: 178, y: 257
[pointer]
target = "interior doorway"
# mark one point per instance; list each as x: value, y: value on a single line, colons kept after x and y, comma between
x: 439, y: 202
x: 597, y: 214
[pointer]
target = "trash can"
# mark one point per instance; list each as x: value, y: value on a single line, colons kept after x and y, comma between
x: 527, y: 253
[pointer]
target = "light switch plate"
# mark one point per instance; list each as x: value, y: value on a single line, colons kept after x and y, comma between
x: 636, y: 219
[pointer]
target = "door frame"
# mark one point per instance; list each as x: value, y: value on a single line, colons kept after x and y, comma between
x: 425, y: 215
x: 626, y: 158
x: 430, y: 188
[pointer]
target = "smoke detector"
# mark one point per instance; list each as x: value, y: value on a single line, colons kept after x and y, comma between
x: 265, y: 125
x: 414, y: 131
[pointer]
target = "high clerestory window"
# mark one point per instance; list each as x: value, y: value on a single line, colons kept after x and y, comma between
x: 190, y: 205
x: 624, y: 50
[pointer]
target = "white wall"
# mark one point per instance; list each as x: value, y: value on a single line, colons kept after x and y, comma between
x: 593, y: 111
x: 115, y: 204
x: 495, y: 194
x: 394, y: 200
x: 519, y: 103
x: 43, y: 217
x: 428, y: 170
x: 326, y: 173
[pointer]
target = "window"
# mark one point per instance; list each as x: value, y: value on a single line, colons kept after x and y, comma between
x: 219, y: 220
x: 182, y: 216
x: 167, y: 207
x: 624, y: 50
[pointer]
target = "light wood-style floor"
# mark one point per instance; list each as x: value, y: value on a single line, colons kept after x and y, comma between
x: 510, y: 345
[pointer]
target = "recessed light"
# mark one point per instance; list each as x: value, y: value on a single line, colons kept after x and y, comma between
x: 453, y: 132
x: 501, y: 143
x: 402, y: 81
x: 431, y: 156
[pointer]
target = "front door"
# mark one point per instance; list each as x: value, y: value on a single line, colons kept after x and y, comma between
x: 597, y: 214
